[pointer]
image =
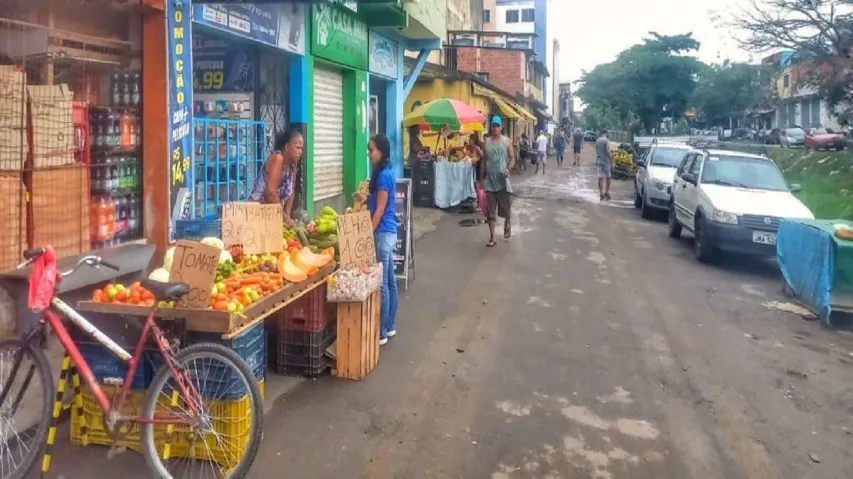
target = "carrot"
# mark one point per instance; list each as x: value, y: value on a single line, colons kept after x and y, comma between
x: 231, y: 283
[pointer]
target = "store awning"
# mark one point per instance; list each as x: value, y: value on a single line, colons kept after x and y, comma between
x: 506, y: 110
x: 523, y: 111
x: 509, y: 108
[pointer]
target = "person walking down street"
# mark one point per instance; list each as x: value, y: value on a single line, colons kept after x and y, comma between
x: 275, y: 183
x: 494, y: 176
x: 577, y: 146
x: 604, y: 164
x: 541, y: 151
x: 380, y: 203
x: 523, y: 146
x: 560, y: 146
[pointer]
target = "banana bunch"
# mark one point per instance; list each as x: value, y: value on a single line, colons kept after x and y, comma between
x: 625, y: 167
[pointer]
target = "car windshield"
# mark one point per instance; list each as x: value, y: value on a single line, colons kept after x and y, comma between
x: 742, y: 172
x: 822, y: 131
x: 795, y: 132
x: 670, y: 157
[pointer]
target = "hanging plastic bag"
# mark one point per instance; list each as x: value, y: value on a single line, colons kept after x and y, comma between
x: 43, y: 280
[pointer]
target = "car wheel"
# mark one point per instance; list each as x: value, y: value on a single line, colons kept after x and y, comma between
x: 839, y: 148
x: 674, y: 225
x: 645, y: 211
x: 701, y: 248
x: 638, y: 200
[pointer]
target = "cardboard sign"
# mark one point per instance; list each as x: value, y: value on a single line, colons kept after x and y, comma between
x: 355, y: 239
x: 195, y: 264
x: 258, y: 227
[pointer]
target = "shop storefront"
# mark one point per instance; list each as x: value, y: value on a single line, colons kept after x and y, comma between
x: 70, y: 128
x: 385, y: 82
x: 339, y: 95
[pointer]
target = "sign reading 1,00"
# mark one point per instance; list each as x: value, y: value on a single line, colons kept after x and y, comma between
x: 210, y: 80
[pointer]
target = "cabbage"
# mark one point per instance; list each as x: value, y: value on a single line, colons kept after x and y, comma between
x: 167, y: 260
x: 211, y: 241
x: 159, y: 274
x: 225, y: 257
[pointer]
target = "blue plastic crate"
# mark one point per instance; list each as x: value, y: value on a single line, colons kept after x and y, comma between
x: 109, y: 369
x: 251, y: 345
x: 199, y: 228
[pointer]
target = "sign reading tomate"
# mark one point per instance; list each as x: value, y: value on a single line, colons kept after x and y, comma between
x: 180, y: 98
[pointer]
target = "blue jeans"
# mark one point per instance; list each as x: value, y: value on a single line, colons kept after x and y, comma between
x: 385, y: 243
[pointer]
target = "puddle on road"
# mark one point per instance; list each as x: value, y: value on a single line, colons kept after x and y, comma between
x: 573, y: 184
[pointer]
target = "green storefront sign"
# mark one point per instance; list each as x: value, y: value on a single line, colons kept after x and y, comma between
x: 339, y: 36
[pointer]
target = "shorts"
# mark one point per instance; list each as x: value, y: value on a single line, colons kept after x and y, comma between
x: 498, y: 203
x: 604, y: 169
x: 541, y: 157
x: 577, y: 148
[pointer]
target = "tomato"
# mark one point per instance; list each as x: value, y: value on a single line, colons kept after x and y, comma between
x: 97, y: 294
x: 135, y: 296
x: 146, y: 295
x: 221, y: 305
x: 148, y: 302
x: 121, y: 296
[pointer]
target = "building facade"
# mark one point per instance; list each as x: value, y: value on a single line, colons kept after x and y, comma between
x: 799, y: 103
x: 489, y: 15
x: 526, y: 17
x: 556, y: 106
x: 565, y: 100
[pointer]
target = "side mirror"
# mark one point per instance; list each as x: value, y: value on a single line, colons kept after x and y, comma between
x: 796, y: 188
x: 641, y: 163
x: 689, y: 178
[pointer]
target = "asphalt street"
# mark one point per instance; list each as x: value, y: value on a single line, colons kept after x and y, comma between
x: 591, y: 345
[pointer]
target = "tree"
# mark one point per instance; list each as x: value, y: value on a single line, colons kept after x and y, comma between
x: 819, y: 32
x: 651, y: 80
x: 734, y: 89
x: 599, y: 117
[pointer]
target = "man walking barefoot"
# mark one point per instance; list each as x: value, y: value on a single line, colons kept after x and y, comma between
x: 494, y: 178
x: 604, y: 164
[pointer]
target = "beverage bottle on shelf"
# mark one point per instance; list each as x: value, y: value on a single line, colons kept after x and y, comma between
x: 135, y: 96
x: 135, y: 176
x: 114, y: 178
x: 116, y: 119
x: 121, y: 217
x: 102, y: 214
x: 111, y: 220
x: 133, y: 216
x: 115, y: 89
x: 127, y: 90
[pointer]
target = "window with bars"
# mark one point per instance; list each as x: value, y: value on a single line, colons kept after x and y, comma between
x: 512, y: 16
x: 528, y: 15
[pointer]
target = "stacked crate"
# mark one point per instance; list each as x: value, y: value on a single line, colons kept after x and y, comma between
x: 13, y: 151
x: 304, y: 330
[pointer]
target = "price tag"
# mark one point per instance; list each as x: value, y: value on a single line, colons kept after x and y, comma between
x: 355, y: 239
x: 257, y: 227
x: 195, y: 264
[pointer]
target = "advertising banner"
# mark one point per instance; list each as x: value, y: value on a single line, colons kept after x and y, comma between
x: 222, y: 67
x: 179, y: 83
x: 383, y: 56
x: 281, y: 25
x: 404, y: 260
x: 339, y: 36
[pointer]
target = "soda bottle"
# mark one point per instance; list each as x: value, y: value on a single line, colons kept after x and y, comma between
x: 111, y: 219
x: 127, y: 89
x: 115, y: 89
x: 121, y: 217
x: 116, y: 119
x: 135, y: 94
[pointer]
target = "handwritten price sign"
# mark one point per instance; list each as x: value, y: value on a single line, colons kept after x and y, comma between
x: 257, y: 227
x: 355, y: 237
x: 195, y: 264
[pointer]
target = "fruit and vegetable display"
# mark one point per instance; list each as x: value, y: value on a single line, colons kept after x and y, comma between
x: 322, y: 233
x: 624, y: 163
x: 353, y: 284
x: 119, y: 293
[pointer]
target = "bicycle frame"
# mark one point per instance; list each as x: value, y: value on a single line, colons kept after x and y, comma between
x: 150, y: 328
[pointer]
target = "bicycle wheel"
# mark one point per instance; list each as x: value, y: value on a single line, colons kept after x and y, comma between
x: 214, y: 446
x: 26, y: 410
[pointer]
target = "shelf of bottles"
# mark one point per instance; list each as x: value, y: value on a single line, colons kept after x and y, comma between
x: 116, y: 164
x: 229, y: 154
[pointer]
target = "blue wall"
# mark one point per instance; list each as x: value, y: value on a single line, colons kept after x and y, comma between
x: 540, y: 28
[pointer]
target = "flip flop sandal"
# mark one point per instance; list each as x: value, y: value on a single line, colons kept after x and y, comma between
x: 491, y: 244
x: 507, y: 231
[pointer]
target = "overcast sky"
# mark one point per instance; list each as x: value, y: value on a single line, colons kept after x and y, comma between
x: 594, y: 32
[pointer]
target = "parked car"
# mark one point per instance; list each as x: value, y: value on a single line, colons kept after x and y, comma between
x: 742, y: 134
x: 731, y: 201
x: 655, y: 174
x: 825, y: 139
x: 590, y: 135
x: 771, y: 137
x: 792, y: 137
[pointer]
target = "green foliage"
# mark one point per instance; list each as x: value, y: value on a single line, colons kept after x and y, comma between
x: 734, y: 89
x: 649, y: 80
x: 680, y: 127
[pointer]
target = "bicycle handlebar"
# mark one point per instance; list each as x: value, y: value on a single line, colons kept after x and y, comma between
x: 90, y: 260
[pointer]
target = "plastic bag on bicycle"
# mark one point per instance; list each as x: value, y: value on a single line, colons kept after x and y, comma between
x: 43, y: 280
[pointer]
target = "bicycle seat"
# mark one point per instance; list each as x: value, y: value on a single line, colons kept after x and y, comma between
x: 166, y: 291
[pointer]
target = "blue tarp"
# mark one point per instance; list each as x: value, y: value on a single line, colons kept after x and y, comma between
x: 806, y: 258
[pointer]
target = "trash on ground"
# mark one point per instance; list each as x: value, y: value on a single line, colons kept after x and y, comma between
x: 790, y: 308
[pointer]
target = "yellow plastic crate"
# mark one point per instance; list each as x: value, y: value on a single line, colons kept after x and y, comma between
x: 232, y: 421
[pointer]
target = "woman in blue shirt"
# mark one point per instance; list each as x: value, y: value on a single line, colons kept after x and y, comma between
x: 380, y: 202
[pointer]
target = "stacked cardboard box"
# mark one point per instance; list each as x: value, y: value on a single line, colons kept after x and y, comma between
x: 13, y: 133
x: 52, y: 122
x: 13, y: 217
x: 60, y: 198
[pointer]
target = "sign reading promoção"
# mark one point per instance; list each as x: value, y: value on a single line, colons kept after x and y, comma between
x: 180, y: 98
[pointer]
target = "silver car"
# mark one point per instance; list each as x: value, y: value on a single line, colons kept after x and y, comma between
x: 792, y: 137
x: 655, y: 175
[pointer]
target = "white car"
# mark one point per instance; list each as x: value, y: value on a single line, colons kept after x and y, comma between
x: 655, y: 175
x: 732, y: 202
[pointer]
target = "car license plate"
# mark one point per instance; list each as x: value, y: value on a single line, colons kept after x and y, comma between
x: 763, y: 238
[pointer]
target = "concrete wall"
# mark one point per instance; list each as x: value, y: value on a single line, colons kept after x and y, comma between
x: 492, y: 24
x: 500, y: 17
x: 427, y: 19
x: 506, y: 68
x: 465, y: 15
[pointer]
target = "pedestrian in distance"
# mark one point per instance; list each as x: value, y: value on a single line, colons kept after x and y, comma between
x: 380, y: 203
x: 604, y: 164
x: 494, y: 179
x: 541, y: 151
x: 560, y: 147
x: 577, y: 146
x: 523, y: 146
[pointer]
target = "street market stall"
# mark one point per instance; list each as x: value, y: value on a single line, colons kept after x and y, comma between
x: 453, y: 172
x: 816, y: 259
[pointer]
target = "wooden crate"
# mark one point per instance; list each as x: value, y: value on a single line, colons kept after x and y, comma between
x: 13, y: 217
x: 357, y: 348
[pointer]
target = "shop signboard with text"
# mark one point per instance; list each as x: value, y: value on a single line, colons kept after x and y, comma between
x: 384, y: 58
x: 220, y: 66
x: 180, y: 100
x: 280, y: 25
x: 339, y: 36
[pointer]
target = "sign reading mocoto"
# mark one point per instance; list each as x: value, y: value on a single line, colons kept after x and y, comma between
x: 180, y: 98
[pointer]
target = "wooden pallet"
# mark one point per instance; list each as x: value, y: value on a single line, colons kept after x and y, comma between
x: 357, y: 347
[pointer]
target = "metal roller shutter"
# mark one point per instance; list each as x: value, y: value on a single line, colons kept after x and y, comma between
x: 328, y: 136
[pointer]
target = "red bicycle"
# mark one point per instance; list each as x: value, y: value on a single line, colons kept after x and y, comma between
x: 177, y: 422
